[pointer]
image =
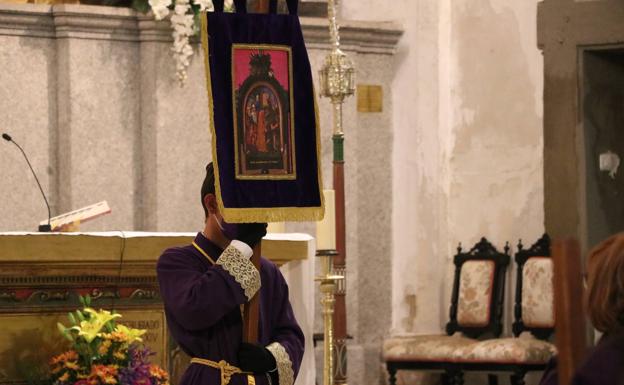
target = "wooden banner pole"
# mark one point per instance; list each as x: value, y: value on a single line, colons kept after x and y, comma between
x: 251, y: 311
x: 262, y: 6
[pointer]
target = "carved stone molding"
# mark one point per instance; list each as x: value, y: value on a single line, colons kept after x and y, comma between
x: 123, y: 24
x: 20, y: 20
x: 74, y: 280
x: 37, y: 299
x: 98, y: 23
x: 60, y: 291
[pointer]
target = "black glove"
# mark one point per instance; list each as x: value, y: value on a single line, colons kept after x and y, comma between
x: 251, y: 233
x: 255, y: 358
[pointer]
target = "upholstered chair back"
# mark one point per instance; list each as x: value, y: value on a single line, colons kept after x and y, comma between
x: 478, y: 290
x: 534, y: 303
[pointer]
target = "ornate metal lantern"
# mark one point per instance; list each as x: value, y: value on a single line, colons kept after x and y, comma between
x: 337, y: 77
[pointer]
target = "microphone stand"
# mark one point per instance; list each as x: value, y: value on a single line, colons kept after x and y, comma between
x: 42, y: 228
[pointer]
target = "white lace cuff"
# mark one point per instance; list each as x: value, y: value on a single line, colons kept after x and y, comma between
x: 284, y: 365
x: 240, y: 267
x: 242, y: 247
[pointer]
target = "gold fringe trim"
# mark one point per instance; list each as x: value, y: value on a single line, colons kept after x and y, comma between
x: 273, y: 214
x: 319, y: 160
x: 259, y: 214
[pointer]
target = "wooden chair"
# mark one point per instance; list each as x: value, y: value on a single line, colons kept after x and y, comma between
x: 534, y: 322
x: 476, y: 311
x: 570, y: 324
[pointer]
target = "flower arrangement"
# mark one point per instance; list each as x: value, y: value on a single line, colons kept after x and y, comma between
x: 103, y: 352
x: 184, y: 22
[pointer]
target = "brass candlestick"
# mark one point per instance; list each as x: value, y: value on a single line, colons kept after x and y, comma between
x: 337, y: 82
x: 328, y: 287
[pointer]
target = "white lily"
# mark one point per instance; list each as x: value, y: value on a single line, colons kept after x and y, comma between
x: 205, y: 5
x: 160, y: 8
x: 183, y: 25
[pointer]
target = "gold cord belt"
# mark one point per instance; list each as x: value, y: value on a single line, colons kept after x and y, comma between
x: 227, y: 370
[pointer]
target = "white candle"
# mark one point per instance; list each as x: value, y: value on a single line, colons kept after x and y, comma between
x: 276, y: 227
x: 326, y: 229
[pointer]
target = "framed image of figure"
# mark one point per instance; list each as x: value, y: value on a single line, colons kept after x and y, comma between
x: 263, y: 113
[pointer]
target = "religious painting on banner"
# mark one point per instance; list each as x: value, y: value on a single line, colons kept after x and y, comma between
x: 264, y: 124
x: 263, y: 115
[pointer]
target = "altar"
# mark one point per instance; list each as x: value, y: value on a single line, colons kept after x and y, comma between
x: 42, y: 276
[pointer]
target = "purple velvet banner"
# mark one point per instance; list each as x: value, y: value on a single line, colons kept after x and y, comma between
x: 263, y: 117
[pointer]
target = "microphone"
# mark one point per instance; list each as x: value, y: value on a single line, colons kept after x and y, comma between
x: 42, y: 228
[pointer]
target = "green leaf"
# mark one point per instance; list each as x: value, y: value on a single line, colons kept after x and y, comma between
x: 141, y: 6
x: 81, y: 317
x: 87, y: 300
x: 69, y: 337
x: 64, y: 331
x: 196, y: 23
x: 72, y: 319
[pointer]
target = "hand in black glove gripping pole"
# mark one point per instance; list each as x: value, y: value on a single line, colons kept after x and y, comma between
x: 255, y: 359
x: 251, y: 233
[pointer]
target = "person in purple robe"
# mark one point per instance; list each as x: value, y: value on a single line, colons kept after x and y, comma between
x: 203, y: 287
x: 604, y: 300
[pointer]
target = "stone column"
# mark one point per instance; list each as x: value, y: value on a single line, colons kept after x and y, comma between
x: 27, y: 113
x: 98, y: 110
x: 176, y: 138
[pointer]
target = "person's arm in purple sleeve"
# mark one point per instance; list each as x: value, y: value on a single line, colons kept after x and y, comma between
x: 200, y: 298
x: 549, y: 377
x: 287, y: 340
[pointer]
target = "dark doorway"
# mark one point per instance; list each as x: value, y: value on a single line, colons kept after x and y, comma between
x: 602, y: 98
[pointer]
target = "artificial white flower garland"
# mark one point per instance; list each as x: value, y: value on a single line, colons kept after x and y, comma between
x: 183, y: 24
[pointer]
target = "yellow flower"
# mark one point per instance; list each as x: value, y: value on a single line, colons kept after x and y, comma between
x: 102, y: 315
x: 131, y: 334
x: 106, y: 373
x: 67, y: 360
x: 119, y: 355
x: 73, y: 365
x: 115, y: 336
x: 157, y: 372
x: 103, y: 348
x: 91, y: 328
x: 69, y: 355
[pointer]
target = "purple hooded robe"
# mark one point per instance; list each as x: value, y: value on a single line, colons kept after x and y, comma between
x: 202, y: 305
x: 604, y: 365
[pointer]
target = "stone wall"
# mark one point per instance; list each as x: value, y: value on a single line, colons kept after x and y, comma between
x: 468, y: 142
x: 89, y: 93
x: 456, y: 153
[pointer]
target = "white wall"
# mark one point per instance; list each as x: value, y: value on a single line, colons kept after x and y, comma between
x: 467, y: 158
